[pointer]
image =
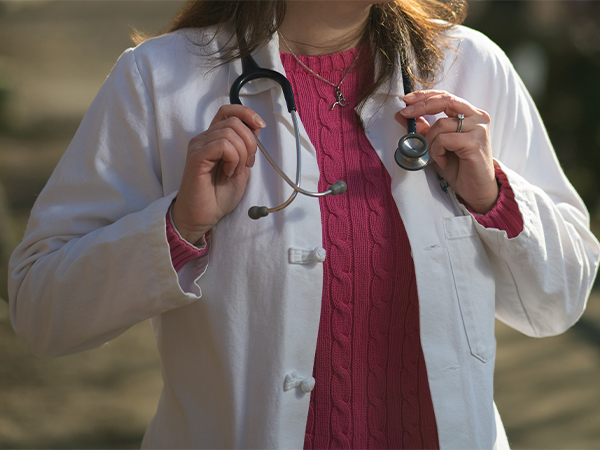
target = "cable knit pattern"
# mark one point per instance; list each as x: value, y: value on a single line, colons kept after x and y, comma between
x: 339, y: 232
x: 371, y: 386
x: 505, y: 215
x: 182, y: 251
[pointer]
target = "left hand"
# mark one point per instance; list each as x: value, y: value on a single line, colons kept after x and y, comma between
x: 463, y: 159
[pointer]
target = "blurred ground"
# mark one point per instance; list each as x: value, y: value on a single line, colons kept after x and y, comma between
x: 548, y: 390
x: 103, y: 398
x: 54, y: 55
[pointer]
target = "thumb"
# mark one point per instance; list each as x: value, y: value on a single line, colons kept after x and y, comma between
x: 422, y: 125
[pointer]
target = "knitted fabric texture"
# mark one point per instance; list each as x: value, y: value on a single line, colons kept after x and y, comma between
x: 505, y: 215
x: 182, y: 251
x: 371, y: 386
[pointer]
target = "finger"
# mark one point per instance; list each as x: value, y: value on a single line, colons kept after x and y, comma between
x: 451, y: 125
x: 448, y: 125
x: 438, y: 153
x: 422, y: 125
x: 245, y: 114
x: 242, y: 131
x: 467, y: 148
x: 235, y: 130
x: 224, y: 152
x: 422, y: 103
x: 229, y: 136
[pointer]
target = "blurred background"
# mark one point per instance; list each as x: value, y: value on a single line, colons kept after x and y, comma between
x: 54, y: 55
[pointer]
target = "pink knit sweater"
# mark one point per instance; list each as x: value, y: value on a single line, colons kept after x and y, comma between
x: 371, y: 386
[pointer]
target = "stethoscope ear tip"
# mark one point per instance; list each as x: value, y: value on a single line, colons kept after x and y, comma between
x: 256, y: 212
x: 339, y: 187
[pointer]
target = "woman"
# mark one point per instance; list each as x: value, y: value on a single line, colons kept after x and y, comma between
x: 363, y: 320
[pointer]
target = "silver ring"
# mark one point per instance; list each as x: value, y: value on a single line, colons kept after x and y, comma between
x: 461, y: 118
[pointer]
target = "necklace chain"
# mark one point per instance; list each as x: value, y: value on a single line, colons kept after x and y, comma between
x: 341, y: 100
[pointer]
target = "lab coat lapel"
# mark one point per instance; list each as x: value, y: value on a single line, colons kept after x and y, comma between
x: 423, y: 204
x: 411, y: 190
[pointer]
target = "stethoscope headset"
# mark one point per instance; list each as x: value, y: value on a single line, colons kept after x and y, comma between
x: 412, y: 152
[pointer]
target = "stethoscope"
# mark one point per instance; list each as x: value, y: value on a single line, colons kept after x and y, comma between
x: 411, y: 154
x: 413, y: 150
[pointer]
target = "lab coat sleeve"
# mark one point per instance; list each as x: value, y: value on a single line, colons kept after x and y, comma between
x: 543, y: 275
x: 95, y: 258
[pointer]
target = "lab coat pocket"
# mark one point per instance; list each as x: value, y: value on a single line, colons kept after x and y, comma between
x: 474, y: 283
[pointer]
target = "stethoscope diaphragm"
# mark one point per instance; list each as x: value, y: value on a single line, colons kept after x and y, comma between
x: 412, y: 152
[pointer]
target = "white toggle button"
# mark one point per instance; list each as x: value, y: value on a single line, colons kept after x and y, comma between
x: 301, y: 256
x: 293, y: 380
x: 308, y: 384
x: 319, y: 253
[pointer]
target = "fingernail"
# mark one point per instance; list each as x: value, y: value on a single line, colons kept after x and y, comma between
x: 408, y: 97
x: 407, y: 111
x: 251, y: 161
x: 259, y: 122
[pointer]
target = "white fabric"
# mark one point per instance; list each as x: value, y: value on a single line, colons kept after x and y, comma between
x: 95, y: 259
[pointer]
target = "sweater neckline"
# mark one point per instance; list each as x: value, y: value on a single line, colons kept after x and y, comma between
x: 322, y: 63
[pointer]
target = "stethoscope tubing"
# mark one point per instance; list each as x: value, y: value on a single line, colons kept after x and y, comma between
x: 251, y: 71
x: 282, y: 174
x: 295, y: 186
x: 411, y: 154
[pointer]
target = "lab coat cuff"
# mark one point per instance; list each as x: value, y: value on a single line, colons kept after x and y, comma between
x: 182, y: 251
x: 176, y: 282
x: 505, y: 214
x: 497, y: 237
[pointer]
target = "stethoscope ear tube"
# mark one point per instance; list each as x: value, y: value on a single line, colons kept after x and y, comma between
x: 252, y: 71
x: 257, y: 212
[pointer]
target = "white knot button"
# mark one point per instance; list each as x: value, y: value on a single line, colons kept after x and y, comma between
x: 320, y: 253
x: 302, y: 256
x: 293, y: 380
x: 308, y: 384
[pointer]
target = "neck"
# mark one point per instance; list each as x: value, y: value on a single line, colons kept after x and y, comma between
x: 322, y: 27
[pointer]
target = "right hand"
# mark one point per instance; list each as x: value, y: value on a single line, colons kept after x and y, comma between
x: 216, y: 171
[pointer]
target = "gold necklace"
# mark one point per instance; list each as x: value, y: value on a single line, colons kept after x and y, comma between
x: 341, y: 100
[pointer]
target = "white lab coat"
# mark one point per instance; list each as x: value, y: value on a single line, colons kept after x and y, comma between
x: 231, y: 326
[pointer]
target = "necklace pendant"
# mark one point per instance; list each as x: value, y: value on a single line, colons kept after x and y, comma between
x: 341, y: 100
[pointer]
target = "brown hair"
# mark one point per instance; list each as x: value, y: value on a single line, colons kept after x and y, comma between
x: 402, y: 27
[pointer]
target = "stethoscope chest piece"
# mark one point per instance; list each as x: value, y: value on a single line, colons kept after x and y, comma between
x: 413, y: 149
x: 412, y: 152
